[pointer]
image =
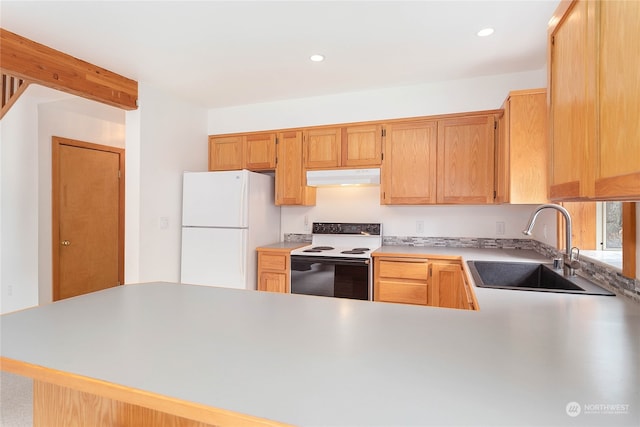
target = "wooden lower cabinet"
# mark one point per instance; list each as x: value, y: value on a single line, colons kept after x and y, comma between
x: 423, y: 281
x: 274, y: 269
x: 403, y: 280
x: 449, y: 288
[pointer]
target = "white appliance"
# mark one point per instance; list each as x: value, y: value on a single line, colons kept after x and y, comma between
x: 225, y: 217
x: 338, y: 261
x: 333, y: 177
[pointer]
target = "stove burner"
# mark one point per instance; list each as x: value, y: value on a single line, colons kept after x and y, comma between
x: 361, y: 249
x: 316, y: 249
x: 353, y: 252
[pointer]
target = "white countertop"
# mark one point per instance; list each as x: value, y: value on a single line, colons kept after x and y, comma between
x: 320, y: 361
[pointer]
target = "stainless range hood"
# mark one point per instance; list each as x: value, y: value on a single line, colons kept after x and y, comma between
x: 318, y: 178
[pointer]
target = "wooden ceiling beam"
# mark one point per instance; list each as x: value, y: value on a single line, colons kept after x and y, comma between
x: 37, y: 63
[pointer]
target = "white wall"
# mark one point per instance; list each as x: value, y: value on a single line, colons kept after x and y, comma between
x: 19, y: 206
x: 165, y: 137
x: 483, y: 93
x: 362, y: 204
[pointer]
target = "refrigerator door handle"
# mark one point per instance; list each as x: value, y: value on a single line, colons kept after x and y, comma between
x: 244, y: 200
x: 243, y: 263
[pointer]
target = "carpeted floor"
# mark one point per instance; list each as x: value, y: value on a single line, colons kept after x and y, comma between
x: 16, y: 400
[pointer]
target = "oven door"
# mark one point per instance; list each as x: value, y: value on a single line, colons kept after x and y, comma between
x: 330, y: 276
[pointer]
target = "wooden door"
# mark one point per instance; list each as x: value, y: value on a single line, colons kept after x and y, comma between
x: 322, y: 148
x: 226, y: 153
x: 260, y: 151
x: 572, y: 104
x: 88, y: 217
x: 362, y: 145
x: 618, y: 175
x: 465, y: 160
x: 409, y: 164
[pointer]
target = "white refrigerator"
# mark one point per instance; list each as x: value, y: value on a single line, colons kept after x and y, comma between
x: 225, y: 217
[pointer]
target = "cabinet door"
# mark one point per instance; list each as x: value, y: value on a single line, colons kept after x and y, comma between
x: 290, y: 177
x: 322, y: 148
x: 260, y: 151
x: 448, y: 286
x: 409, y: 164
x: 522, y: 151
x: 271, y: 281
x: 226, y: 153
x: 466, y: 160
x: 362, y: 145
x: 572, y: 96
x: 618, y: 175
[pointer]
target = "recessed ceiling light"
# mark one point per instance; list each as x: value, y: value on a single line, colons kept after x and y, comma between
x: 317, y: 58
x: 485, y: 32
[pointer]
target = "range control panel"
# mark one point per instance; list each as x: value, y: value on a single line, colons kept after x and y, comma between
x: 363, y: 229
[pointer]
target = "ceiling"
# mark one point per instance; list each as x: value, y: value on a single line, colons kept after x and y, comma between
x: 226, y: 53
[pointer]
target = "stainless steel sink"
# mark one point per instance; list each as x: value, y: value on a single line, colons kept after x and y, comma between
x: 524, y: 276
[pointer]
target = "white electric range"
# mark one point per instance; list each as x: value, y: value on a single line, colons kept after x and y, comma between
x: 337, y: 263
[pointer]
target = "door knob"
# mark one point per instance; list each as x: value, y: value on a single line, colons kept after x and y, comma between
x: 65, y: 243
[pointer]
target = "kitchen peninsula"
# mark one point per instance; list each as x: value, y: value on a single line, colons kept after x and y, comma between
x: 220, y: 356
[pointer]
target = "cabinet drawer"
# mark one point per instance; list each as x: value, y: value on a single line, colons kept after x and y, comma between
x: 402, y: 292
x: 417, y: 269
x: 269, y: 261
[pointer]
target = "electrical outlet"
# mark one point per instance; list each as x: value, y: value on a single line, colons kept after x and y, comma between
x: 500, y: 228
x: 420, y: 227
x: 163, y: 223
x: 10, y: 290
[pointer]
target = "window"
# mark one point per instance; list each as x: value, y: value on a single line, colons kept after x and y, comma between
x: 609, y: 226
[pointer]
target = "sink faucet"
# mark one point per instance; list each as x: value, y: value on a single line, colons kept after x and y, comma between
x: 570, y: 263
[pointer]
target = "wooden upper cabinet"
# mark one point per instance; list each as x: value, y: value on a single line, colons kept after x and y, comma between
x: 260, y: 151
x: 522, y: 152
x: 226, y: 152
x: 409, y: 163
x: 322, y: 148
x: 594, y: 89
x: 362, y: 145
x: 572, y: 101
x: 466, y: 160
x: 618, y: 173
x: 349, y: 146
x: 290, y: 176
